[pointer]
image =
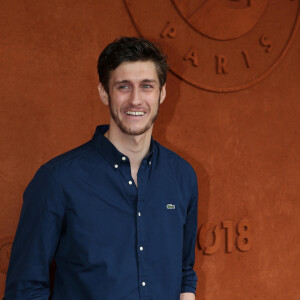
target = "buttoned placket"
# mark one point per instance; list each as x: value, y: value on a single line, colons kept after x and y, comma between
x: 123, y: 166
x: 142, y: 177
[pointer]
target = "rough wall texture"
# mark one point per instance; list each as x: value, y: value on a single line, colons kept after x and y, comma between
x: 244, y: 144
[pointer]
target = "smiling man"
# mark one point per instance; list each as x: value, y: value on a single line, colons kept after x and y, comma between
x: 118, y: 213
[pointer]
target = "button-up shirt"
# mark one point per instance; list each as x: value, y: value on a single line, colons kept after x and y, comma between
x: 110, y: 240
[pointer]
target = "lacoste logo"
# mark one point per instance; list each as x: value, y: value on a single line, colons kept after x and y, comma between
x: 170, y: 206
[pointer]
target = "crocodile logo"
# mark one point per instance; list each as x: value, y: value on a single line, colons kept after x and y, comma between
x: 170, y: 206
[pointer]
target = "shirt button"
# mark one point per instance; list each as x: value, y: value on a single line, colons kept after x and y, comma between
x: 116, y: 166
x: 141, y: 248
x: 139, y: 214
x: 149, y: 162
x: 123, y: 158
x: 143, y: 283
x: 130, y: 182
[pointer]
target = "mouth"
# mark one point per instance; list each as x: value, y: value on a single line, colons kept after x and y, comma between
x: 135, y: 113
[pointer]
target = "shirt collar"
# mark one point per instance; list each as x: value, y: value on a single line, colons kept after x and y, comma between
x: 109, y: 151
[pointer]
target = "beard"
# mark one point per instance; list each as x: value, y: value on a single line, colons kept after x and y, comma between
x: 126, y: 129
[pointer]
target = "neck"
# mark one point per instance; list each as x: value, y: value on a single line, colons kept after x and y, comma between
x: 134, y: 147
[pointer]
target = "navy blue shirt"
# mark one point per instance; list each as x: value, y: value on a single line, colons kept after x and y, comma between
x: 110, y: 240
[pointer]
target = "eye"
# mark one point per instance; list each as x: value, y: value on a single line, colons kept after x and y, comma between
x: 123, y: 87
x: 147, y: 86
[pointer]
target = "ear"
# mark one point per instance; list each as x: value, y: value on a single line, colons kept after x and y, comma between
x: 103, y: 94
x: 163, y: 93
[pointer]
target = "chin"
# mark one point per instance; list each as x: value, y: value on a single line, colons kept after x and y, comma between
x: 134, y: 131
x: 131, y: 128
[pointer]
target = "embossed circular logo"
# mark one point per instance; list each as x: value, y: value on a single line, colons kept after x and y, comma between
x: 219, y: 45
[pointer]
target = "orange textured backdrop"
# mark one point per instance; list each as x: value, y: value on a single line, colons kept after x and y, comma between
x: 243, y: 145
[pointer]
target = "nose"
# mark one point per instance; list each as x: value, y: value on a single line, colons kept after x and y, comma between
x: 135, y: 97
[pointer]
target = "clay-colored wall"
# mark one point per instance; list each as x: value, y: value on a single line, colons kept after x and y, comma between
x: 244, y: 144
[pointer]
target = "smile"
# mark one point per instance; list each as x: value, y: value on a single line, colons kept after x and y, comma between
x: 135, y: 113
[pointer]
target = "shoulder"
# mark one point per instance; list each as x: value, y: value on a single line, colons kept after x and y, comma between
x: 73, y: 161
x: 47, y: 185
x: 176, y: 163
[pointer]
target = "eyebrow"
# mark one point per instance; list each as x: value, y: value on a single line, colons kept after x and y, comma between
x: 143, y: 81
x: 149, y: 81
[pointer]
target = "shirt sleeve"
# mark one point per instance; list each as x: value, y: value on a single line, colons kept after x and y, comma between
x: 189, y: 276
x: 36, y: 238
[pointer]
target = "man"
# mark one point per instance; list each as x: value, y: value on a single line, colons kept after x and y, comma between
x: 118, y: 213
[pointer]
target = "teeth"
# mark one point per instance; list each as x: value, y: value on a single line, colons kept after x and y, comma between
x: 135, y: 113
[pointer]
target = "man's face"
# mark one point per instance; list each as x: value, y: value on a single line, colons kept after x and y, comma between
x: 134, y: 96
